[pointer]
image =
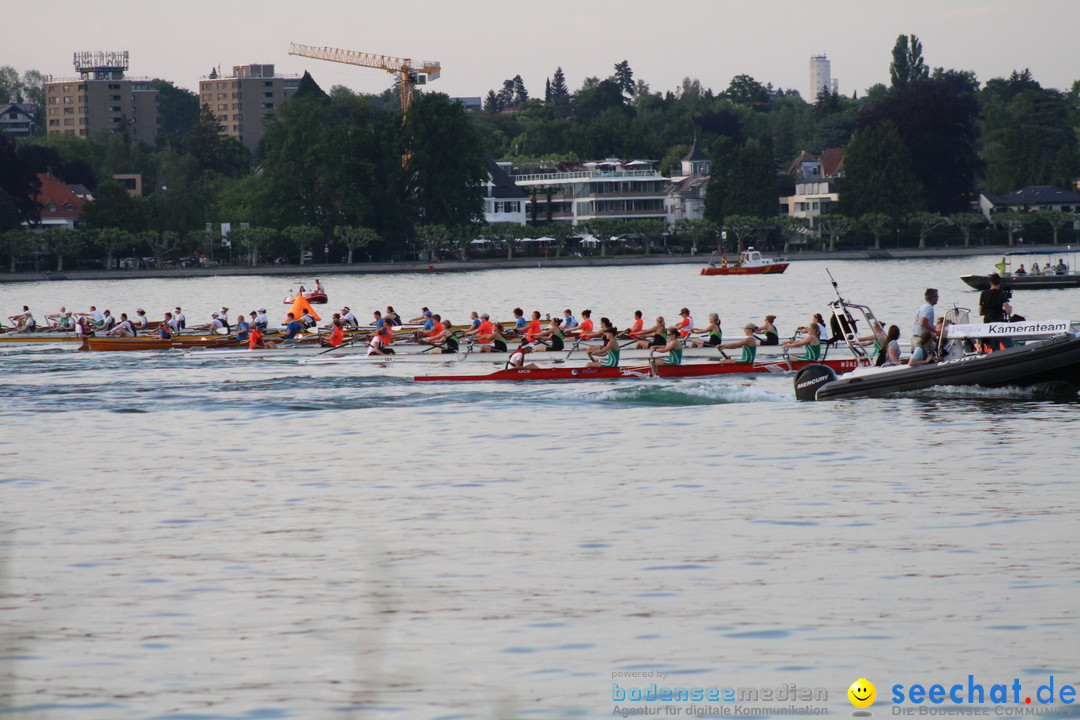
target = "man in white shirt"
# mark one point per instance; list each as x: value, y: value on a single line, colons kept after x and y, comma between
x: 924, y: 318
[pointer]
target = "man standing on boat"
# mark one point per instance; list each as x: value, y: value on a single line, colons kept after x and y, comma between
x: 994, y: 305
x: 924, y: 318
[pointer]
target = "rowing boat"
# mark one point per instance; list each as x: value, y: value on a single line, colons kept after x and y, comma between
x: 644, y: 371
x: 179, y: 342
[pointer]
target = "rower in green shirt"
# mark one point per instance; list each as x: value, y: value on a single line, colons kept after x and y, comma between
x: 749, y: 345
x: 609, y: 351
x: 673, y: 348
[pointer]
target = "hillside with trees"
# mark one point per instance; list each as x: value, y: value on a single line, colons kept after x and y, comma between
x: 342, y: 172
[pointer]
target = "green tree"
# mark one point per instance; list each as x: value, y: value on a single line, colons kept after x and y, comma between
x: 446, y: 170
x: 178, y: 111
x: 160, y: 243
x: 745, y: 90
x: 792, y: 228
x: 925, y: 222
x: 1056, y: 219
x: 740, y: 227
x: 302, y: 237
x: 355, y: 237
x: 16, y: 242
x: 111, y: 240
x: 837, y: 226
x: 624, y: 78
x: 965, y: 222
x: 114, y: 207
x: 60, y: 243
x: 1013, y: 221
x: 879, y: 176
x: 907, y: 65
x: 511, y: 234
x: 877, y: 224
x: 19, y: 183
x: 700, y: 232
x: 751, y: 183
x: 254, y: 240
x: 559, y: 94
x: 433, y: 238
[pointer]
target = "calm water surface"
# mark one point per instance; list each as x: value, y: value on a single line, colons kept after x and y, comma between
x: 191, y: 538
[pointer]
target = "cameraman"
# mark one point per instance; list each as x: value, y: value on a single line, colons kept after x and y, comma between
x: 994, y: 304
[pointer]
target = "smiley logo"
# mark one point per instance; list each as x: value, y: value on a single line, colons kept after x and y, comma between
x: 862, y: 693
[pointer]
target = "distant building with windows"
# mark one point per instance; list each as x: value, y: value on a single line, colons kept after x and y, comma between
x: 610, y: 189
x: 1030, y: 199
x: 17, y: 119
x: 686, y: 196
x: 60, y: 204
x: 503, y: 200
x: 244, y: 100
x: 821, y: 77
x: 102, y: 99
x: 816, y: 180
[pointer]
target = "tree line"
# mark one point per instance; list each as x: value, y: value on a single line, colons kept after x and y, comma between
x: 924, y: 143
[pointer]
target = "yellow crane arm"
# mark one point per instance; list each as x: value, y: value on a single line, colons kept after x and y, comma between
x: 411, y: 72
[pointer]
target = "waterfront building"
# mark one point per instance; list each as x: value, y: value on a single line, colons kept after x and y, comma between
x: 686, y: 195
x: 610, y: 190
x: 504, y: 201
x: 243, y: 101
x: 101, y: 99
x: 1031, y: 198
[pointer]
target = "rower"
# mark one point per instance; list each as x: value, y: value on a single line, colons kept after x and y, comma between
x: 483, y: 333
x: 553, y: 335
x: 713, y: 335
x: 584, y: 330
x: 532, y: 328
x: 425, y: 317
x: 520, y: 323
x: 658, y: 332
x: 516, y: 361
x: 673, y: 347
x: 569, y: 321
x: 636, y: 327
x: 686, y: 325
x: 348, y: 319
x: 443, y: 338
x: 609, y: 352
x: 749, y: 345
x: 811, y: 341
x: 380, y: 341
x: 181, y: 321
x: 140, y: 320
x: 243, y: 328
x: 125, y: 328
x: 337, y: 334
x: 262, y: 321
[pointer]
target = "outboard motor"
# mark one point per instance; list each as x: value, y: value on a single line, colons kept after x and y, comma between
x: 810, y: 378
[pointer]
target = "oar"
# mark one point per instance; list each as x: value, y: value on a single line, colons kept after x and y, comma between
x: 351, y: 341
x: 576, y: 343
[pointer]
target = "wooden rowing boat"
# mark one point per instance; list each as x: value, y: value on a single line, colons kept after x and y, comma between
x: 179, y: 342
x: 644, y: 371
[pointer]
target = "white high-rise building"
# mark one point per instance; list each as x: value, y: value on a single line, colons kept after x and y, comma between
x: 820, y: 77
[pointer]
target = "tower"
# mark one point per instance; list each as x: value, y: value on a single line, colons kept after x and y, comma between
x: 820, y: 77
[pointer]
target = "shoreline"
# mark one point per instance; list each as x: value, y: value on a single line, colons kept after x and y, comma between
x: 494, y: 264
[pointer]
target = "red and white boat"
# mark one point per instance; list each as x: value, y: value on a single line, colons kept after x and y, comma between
x: 750, y: 263
x: 314, y: 297
x: 646, y: 371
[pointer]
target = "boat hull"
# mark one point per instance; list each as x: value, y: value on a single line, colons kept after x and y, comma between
x: 1050, y: 361
x: 641, y: 371
x: 315, y: 298
x: 773, y: 269
x: 114, y: 344
x: 1024, y: 282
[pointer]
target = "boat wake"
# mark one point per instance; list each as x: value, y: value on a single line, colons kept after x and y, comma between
x: 687, y: 393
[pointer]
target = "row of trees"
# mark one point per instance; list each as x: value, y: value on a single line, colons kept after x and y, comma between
x: 920, y: 145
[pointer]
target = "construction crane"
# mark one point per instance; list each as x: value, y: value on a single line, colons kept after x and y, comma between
x: 411, y: 73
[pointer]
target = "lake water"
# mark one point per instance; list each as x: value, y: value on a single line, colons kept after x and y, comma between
x: 189, y: 538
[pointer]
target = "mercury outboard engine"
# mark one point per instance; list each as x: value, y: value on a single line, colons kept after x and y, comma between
x: 810, y: 378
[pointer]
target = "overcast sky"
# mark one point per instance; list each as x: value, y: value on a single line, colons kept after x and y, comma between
x: 480, y: 43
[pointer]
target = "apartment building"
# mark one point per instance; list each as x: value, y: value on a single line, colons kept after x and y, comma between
x: 244, y: 100
x: 101, y: 99
x: 598, y: 190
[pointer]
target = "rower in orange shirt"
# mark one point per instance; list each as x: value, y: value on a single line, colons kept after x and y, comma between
x: 532, y: 329
x: 636, y: 328
x: 483, y: 333
x: 584, y: 330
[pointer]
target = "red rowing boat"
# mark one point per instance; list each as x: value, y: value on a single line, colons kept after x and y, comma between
x: 647, y: 371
